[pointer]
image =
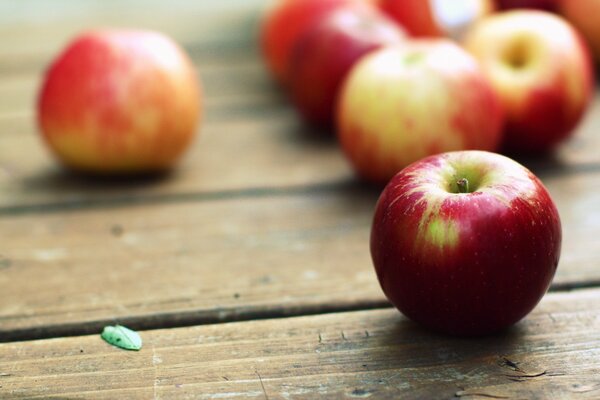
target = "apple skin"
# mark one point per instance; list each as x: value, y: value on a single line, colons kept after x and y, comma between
x: 542, y: 72
x: 282, y: 22
x: 323, y: 56
x: 405, y: 102
x: 422, y: 18
x: 120, y: 102
x: 546, y: 5
x: 583, y: 14
x: 465, y: 263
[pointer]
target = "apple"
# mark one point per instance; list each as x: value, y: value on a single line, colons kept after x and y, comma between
x: 325, y: 53
x: 282, y: 22
x: 437, y: 18
x: 405, y: 102
x: 542, y: 72
x: 465, y: 243
x: 119, y: 101
x: 547, y: 5
x: 583, y: 15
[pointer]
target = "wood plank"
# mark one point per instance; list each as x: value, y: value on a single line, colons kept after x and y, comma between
x: 223, y: 257
x: 552, y: 353
x: 246, y: 118
x: 239, y: 154
x: 37, y: 28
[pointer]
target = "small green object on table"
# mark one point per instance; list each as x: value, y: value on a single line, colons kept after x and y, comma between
x: 122, y: 337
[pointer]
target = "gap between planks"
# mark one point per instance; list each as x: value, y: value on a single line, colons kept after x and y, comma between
x: 348, y: 185
x: 170, y: 320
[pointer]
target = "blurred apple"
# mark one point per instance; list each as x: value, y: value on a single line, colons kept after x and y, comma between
x: 282, y: 23
x: 583, y: 14
x: 405, y: 102
x: 120, y: 101
x: 436, y: 18
x: 323, y: 56
x: 542, y: 72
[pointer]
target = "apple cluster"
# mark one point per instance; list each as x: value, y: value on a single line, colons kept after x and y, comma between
x: 423, y: 95
x: 401, y: 80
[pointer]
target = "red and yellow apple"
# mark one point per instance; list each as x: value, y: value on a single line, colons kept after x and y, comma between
x: 283, y: 21
x: 465, y: 243
x: 405, y: 102
x: 323, y: 56
x: 541, y: 70
x: 583, y: 14
x: 120, y: 101
x: 436, y: 18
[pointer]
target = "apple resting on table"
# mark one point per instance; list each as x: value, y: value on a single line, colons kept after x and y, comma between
x: 541, y: 69
x: 465, y: 243
x: 324, y: 54
x: 405, y: 102
x: 120, y: 101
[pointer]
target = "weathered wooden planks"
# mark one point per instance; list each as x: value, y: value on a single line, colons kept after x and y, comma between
x: 223, y: 256
x: 210, y: 259
x: 553, y: 353
x: 250, y: 138
x: 235, y: 155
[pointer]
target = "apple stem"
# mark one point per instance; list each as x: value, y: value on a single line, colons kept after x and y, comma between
x: 463, y: 185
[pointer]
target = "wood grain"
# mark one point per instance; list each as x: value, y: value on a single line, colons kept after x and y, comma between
x: 251, y: 137
x: 223, y: 256
x: 552, y: 353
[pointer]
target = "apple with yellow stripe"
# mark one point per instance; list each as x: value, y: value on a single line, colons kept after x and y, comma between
x: 120, y: 102
x: 542, y: 71
x: 465, y: 243
x: 405, y: 102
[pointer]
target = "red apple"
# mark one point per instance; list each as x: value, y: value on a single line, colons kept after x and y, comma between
x: 281, y: 25
x: 542, y: 72
x: 547, y: 5
x: 436, y: 17
x: 323, y: 56
x: 120, y: 101
x: 423, y: 97
x: 465, y: 243
x: 583, y: 14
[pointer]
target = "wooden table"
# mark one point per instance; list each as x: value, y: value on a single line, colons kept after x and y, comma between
x: 246, y: 270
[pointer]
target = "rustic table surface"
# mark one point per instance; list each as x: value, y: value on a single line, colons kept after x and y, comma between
x: 246, y: 270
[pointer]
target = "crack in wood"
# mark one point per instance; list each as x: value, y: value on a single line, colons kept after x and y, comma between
x: 505, y: 362
x: 525, y: 377
x: 187, y: 318
x: 262, y: 385
x: 480, y: 394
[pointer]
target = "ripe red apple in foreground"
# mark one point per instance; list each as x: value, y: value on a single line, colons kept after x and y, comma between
x: 583, y: 14
x: 423, y: 97
x: 465, y: 243
x: 542, y: 72
x: 436, y: 18
x: 281, y: 25
x: 120, y: 101
x: 323, y: 56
